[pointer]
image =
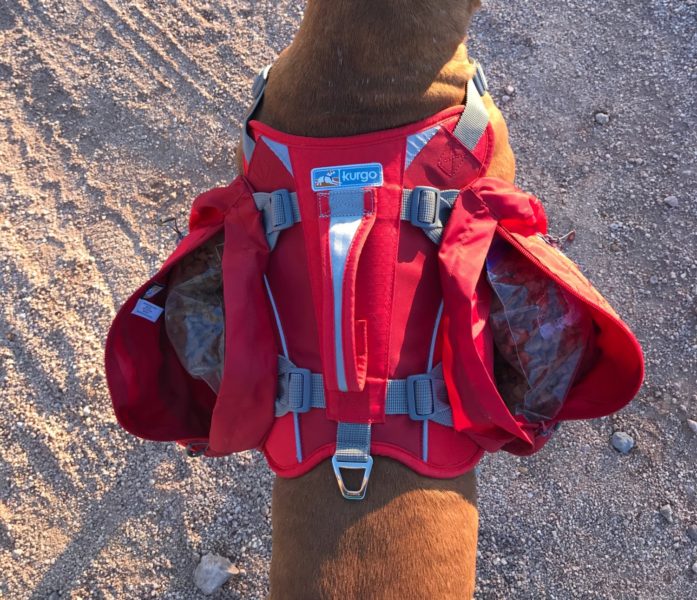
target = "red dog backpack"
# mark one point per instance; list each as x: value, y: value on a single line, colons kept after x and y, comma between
x: 368, y: 295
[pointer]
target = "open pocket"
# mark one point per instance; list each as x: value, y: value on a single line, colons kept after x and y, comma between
x: 544, y: 333
x: 195, y: 312
x: 528, y: 341
x: 608, y: 372
x: 206, y: 370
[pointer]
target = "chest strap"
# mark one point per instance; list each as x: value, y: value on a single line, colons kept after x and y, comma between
x: 475, y: 117
x: 425, y: 207
x: 423, y: 397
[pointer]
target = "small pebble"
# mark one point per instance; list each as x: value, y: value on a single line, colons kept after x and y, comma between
x: 212, y: 572
x: 622, y: 442
x: 694, y: 568
x: 692, y: 425
x: 666, y: 512
x: 505, y: 98
x: 602, y: 118
x: 692, y: 532
x: 510, y: 90
x: 671, y: 201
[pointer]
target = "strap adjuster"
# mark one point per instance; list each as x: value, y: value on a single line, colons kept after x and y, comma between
x: 366, y: 467
x: 421, y: 397
x: 299, y: 386
x: 281, y: 211
x: 425, y: 207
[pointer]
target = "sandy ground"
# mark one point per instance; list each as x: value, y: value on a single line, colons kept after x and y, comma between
x: 115, y: 114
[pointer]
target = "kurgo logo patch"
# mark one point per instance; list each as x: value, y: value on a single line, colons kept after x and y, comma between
x: 346, y: 176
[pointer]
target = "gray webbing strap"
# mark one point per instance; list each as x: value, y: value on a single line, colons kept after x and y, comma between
x: 352, y: 453
x: 475, y: 117
x: 280, y: 211
x: 429, y: 209
x: 258, y: 88
x: 299, y: 390
x: 423, y: 397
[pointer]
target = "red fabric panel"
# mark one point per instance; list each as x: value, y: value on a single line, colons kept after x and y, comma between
x: 244, y: 411
x: 477, y: 407
x: 152, y: 395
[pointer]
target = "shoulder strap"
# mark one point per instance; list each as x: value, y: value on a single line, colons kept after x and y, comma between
x: 258, y: 92
x: 475, y: 116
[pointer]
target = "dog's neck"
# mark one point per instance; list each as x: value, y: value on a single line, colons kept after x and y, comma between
x: 364, y: 65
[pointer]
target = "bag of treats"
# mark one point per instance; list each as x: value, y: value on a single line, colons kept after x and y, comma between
x: 540, y: 330
x: 194, y: 312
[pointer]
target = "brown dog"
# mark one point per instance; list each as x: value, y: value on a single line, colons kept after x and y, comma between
x: 367, y: 65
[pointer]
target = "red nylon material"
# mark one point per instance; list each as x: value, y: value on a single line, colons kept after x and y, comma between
x: 395, y: 281
x: 493, y: 207
x: 152, y: 396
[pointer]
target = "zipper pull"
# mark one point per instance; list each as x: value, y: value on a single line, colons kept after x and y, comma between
x: 559, y: 242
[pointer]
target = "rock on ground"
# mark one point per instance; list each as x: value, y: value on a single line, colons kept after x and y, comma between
x: 212, y: 573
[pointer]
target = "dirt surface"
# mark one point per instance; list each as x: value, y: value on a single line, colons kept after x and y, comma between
x: 115, y: 114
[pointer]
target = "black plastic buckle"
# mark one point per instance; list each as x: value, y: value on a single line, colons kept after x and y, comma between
x: 281, y: 210
x: 260, y: 81
x: 480, y: 81
x: 418, y: 200
x: 412, y: 382
x: 196, y: 449
x: 305, y: 383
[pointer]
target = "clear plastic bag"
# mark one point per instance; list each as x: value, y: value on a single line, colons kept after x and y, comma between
x: 540, y: 331
x: 194, y: 312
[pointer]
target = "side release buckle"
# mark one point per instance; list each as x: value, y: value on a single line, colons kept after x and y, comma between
x: 281, y: 212
x: 421, y: 397
x: 425, y: 207
x: 299, y: 386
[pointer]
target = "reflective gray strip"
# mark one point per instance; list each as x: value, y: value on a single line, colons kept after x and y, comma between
x: 352, y: 442
x: 281, y: 152
x: 434, y: 337
x: 298, y: 439
x: 346, y: 210
x: 248, y: 144
x: 417, y: 142
x: 424, y: 205
x: 292, y: 384
x: 258, y: 88
x: 278, y: 318
x: 430, y: 399
x: 281, y: 211
x: 474, y: 118
x: 429, y: 368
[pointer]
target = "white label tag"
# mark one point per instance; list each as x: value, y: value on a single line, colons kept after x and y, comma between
x: 153, y: 290
x: 346, y: 176
x: 147, y: 310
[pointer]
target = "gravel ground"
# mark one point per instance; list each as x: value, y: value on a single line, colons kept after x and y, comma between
x: 116, y: 114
